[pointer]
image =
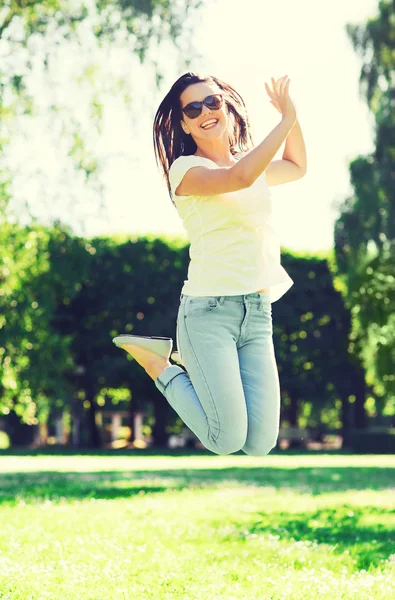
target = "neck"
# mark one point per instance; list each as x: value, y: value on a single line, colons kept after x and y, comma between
x: 221, y: 156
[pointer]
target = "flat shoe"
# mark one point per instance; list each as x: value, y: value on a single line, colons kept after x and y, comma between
x: 161, y: 346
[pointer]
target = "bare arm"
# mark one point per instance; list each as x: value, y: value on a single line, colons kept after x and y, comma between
x: 295, y: 148
x: 202, y: 181
x: 255, y: 162
x: 293, y: 165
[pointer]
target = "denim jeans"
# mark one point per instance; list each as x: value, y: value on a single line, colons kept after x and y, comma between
x: 229, y: 395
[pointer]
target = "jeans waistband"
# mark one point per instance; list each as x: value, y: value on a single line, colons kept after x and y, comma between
x: 253, y: 297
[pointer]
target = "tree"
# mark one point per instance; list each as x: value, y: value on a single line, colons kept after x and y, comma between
x: 36, y: 364
x: 32, y: 36
x: 321, y: 382
x: 364, y: 260
x: 65, y: 297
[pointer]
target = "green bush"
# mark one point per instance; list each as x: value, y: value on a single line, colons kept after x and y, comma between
x: 378, y: 440
x: 4, y: 440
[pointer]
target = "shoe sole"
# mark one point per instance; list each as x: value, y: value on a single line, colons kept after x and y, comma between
x: 161, y: 346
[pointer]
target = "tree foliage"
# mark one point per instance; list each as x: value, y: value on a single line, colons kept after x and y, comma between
x: 364, y: 264
x: 63, y: 298
x: 38, y: 371
x: 31, y: 35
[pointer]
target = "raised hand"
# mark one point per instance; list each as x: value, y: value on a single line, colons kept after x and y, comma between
x: 281, y: 99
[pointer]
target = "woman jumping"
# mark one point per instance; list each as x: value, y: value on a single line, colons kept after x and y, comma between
x: 229, y: 392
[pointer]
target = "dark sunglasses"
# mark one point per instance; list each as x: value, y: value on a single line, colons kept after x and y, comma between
x: 194, y: 109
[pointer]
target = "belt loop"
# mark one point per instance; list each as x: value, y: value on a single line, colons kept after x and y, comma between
x: 221, y: 300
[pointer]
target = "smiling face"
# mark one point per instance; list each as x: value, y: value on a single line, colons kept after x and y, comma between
x: 198, y: 92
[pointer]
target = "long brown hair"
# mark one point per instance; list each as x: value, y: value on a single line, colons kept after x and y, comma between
x: 170, y: 141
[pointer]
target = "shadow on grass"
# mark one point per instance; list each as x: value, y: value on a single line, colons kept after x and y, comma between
x: 344, y: 527
x: 72, y: 485
x: 360, y: 531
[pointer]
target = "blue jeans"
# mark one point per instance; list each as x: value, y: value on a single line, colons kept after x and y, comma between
x: 229, y: 395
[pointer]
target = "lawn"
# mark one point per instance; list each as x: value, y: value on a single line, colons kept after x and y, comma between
x: 196, y: 527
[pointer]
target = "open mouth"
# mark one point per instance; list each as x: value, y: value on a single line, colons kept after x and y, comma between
x: 209, y: 124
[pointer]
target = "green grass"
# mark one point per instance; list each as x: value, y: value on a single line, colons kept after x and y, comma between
x: 198, y: 527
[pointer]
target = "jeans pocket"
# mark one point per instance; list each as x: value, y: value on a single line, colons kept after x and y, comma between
x: 197, y: 306
x: 266, y: 319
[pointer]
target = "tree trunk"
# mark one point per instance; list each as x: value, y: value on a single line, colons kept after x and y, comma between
x: 159, y: 433
x: 131, y: 411
x: 94, y: 433
x: 360, y: 420
x: 293, y: 418
x: 75, y: 430
x: 293, y: 409
x: 346, y: 418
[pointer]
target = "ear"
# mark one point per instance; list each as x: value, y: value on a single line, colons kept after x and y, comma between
x: 185, y: 128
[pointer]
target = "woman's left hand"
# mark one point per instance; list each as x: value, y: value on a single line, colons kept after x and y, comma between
x: 276, y: 89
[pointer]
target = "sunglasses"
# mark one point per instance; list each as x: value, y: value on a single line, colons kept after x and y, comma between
x: 194, y: 109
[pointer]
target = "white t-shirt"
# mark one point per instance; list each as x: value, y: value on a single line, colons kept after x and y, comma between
x: 234, y: 247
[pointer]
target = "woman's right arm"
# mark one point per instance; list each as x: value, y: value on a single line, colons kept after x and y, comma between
x: 205, y: 181
x: 202, y: 181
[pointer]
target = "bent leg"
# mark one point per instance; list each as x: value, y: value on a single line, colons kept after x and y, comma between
x: 209, y: 397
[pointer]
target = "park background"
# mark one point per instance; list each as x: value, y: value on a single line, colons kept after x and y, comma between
x: 91, y: 245
x: 95, y: 499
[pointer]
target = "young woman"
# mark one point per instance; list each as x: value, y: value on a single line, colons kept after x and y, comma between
x: 229, y: 392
